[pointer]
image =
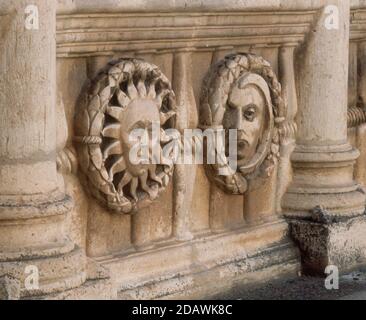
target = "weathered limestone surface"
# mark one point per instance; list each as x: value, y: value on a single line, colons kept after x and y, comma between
x: 33, y: 202
x: 98, y: 226
x: 323, y: 159
x: 9, y: 288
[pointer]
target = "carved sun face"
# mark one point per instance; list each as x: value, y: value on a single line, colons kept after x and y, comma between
x: 246, y: 113
x: 138, y: 108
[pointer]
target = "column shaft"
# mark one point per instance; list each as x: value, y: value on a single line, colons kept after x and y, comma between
x: 323, y: 199
x: 32, y: 206
x: 187, y: 117
x: 323, y: 159
x: 288, y: 130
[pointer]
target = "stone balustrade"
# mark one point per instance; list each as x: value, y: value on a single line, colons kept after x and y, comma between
x: 95, y: 225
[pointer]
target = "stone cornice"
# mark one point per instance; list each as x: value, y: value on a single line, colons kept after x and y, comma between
x: 90, y: 34
x: 112, y: 6
x: 358, y: 24
x: 358, y: 4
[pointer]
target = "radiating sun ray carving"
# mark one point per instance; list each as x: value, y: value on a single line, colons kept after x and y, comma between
x: 128, y: 94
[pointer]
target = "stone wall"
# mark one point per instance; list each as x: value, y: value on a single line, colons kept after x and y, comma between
x: 94, y: 69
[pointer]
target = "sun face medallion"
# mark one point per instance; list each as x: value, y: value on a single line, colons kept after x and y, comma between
x: 127, y: 96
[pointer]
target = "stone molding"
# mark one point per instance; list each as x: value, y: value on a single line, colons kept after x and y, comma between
x: 93, y: 34
x: 81, y: 6
x: 358, y: 25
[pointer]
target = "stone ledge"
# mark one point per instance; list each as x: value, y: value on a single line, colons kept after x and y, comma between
x: 180, y: 267
x: 274, y: 262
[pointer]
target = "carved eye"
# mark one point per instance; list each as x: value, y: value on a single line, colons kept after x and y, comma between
x: 249, y: 113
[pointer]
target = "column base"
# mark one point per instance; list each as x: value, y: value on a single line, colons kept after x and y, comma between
x: 98, y: 286
x: 327, y: 240
x: 36, y: 253
x: 65, y: 277
x: 325, y: 208
x: 9, y: 288
x: 340, y: 205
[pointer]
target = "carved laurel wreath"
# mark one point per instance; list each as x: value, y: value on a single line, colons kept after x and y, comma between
x: 98, y: 139
x: 216, y: 88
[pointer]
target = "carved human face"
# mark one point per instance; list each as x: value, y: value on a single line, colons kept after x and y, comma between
x: 140, y: 114
x: 246, y: 113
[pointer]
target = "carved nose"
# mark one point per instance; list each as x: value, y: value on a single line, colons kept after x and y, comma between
x: 241, y: 135
x: 238, y: 121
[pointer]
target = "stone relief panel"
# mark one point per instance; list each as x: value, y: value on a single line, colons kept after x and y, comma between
x: 242, y: 92
x: 127, y: 94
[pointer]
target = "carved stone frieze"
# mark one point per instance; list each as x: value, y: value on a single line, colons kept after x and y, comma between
x: 152, y: 30
x: 128, y: 94
x: 242, y: 92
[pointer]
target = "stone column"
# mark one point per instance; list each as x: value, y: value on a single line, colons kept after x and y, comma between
x: 361, y: 54
x: 187, y: 117
x: 360, y: 169
x: 324, y: 204
x: 288, y: 130
x: 33, y: 206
